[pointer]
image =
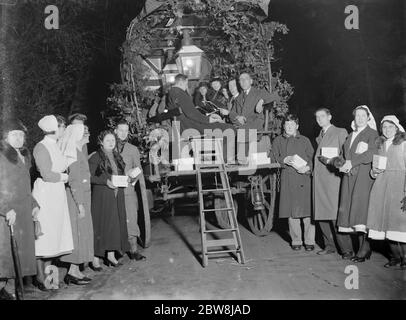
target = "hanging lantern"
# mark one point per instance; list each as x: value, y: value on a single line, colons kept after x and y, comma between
x: 257, y: 195
x: 189, y: 57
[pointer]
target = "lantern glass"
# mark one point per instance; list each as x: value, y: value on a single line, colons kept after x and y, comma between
x: 189, y: 61
x: 169, y: 73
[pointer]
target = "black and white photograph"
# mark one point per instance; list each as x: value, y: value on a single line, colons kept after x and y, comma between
x: 198, y: 156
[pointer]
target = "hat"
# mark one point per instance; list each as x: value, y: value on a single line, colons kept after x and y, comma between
x: 48, y: 123
x: 395, y: 120
x: 12, y: 124
x: 371, y: 121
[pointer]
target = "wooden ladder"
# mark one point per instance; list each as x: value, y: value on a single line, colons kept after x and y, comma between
x: 208, y: 156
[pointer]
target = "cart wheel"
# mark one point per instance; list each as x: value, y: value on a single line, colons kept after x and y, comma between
x: 222, y: 216
x: 261, y: 221
x: 144, y: 219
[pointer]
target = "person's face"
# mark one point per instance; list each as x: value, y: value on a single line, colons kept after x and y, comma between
x: 389, y: 130
x: 361, y: 118
x: 290, y: 127
x: 109, y: 142
x: 15, y: 138
x: 323, y: 119
x: 245, y: 81
x: 122, y: 131
x: 216, y: 85
x: 232, y: 86
x: 203, y: 91
x: 61, y: 130
x: 184, y: 84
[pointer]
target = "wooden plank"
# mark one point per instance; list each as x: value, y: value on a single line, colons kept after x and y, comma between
x: 221, y: 243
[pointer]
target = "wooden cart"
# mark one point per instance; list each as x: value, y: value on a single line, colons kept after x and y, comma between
x: 168, y: 186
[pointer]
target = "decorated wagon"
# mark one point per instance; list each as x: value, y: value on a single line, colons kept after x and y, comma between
x: 201, y: 39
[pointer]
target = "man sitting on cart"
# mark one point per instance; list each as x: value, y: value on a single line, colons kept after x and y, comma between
x: 247, y: 111
x: 191, y: 118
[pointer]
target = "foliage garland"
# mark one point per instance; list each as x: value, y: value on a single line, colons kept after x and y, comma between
x: 242, y: 41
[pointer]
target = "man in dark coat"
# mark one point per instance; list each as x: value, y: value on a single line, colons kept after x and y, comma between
x: 295, y: 195
x: 327, y: 179
x: 131, y: 157
x: 248, y: 109
x: 193, y: 123
x: 247, y: 113
x: 191, y: 118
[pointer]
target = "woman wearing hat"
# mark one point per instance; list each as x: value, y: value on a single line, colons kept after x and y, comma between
x: 49, y: 191
x: 18, y: 208
x: 386, y: 218
x: 358, y: 151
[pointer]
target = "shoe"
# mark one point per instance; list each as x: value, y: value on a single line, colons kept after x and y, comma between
x: 393, y: 262
x: 325, y: 251
x: 367, y: 256
x: 39, y: 285
x: 86, y: 279
x: 403, y: 263
x: 136, y: 256
x: 309, y: 247
x: 4, y: 295
x: 347, y: 256
x: 112, y: 264
x: 96, y: 269
x: 296, y: 247
x: 71, y: 279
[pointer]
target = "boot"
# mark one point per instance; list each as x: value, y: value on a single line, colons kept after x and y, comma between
x: 395, y: 256
x: 134, y: 254
x: 403, y: 256
x: 364, y: 252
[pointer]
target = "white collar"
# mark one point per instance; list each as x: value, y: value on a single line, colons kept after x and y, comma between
x: 47, y: 138
x: 247, y: 91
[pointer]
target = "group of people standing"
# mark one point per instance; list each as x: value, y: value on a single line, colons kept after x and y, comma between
x: 342, y: 188
x: 76, y: 215
x: 337, y: 186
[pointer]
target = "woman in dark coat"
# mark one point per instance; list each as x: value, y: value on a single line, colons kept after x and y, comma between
x: 17, y: 206
x: 295, y: 195
x: 358, y: 151
x: 108, y: 202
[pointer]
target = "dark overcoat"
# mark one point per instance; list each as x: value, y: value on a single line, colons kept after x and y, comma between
x: 245, y: 106
x: 326, y: 178
x: 15, y: 193
x: 131, y: 157
x: 190, y: 118
x: 356, y: 185
x: 78, y: 192
x: 108, y: 211
x: 295, y: 191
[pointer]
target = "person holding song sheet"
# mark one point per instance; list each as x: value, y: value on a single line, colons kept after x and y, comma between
x: 386, y: 213
x: 356, y: 184
x: 294, y: 153
x: 326, y: 178
x: 108, y: 203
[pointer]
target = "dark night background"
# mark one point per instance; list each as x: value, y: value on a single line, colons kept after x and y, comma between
x: 330, y: 66
x: 327, y: 64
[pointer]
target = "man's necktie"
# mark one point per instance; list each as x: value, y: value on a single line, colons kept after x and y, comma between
x: 244, y: 96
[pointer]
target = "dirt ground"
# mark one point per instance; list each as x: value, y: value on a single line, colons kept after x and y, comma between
x: 272, y: 271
